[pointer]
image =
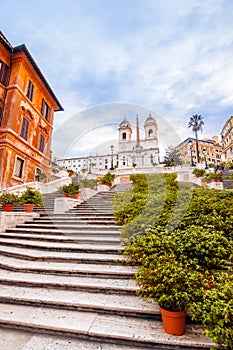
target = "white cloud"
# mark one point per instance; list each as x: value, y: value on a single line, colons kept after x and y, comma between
x: 170, y: 57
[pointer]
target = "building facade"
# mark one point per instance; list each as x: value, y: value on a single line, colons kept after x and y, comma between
x: 210, y: 151
x: 227, y: 140
x: 131, y: 152
x: 27, y: 105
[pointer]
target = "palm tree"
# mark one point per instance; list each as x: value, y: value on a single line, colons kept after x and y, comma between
x: 196, y: 123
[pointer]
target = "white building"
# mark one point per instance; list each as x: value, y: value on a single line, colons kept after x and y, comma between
x: 139, y: 152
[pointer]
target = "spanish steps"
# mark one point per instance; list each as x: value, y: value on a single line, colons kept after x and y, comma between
x: 63, y: 280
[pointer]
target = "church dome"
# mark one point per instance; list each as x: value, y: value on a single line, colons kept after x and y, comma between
x: 150, y: 119
x: 126, y: 123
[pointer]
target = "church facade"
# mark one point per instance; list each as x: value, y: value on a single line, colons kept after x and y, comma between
x: 132, y: 151
x: 139, y: 152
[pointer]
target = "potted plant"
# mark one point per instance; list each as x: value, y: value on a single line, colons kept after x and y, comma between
x: 108, y: 179
x: 65, y: 190
x: 174, y: 286
x: 73, y: 189
x: 199, y: 172
x: 30, y: 198
x: 8, y: 200
x: 207, y: 178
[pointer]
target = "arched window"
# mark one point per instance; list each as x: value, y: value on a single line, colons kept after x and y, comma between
x: 124, y: 136
x: 150, y: 133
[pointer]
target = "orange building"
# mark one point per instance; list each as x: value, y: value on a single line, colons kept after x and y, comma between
x: 210, y: 151
x: 227, y: 140
x: 27, y: 106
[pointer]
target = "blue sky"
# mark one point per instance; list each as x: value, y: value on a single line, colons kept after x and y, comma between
x: 173, y: 58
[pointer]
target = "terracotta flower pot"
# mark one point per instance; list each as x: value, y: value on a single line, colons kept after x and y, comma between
x: 28, y: 207
x: 76, y: 195
x: 7, y: 207
x: 66, y: 195
x: 216, y: 180
x: 173, y: 321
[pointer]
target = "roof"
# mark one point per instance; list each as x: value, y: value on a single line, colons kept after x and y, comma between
x: 23, y: 48
x: 150, y: 119
x: 228, y: 120
x: 125, y: 121
x: 5, y: 42
x: 206, y: 142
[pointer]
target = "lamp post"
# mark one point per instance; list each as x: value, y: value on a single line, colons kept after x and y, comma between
x: 89, y: 165
x: 191, y: 152
x: 112, y: 148
x: 204, y: 152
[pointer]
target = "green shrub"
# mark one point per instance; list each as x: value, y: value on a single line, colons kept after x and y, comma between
x: 171, y: 284
x: 108, y: 179
x: 215, y: 311
x: 199, y: 172
x: 9, y: 198
x: 88, y: 182
x: 32, y: 196
x: 71, y: 188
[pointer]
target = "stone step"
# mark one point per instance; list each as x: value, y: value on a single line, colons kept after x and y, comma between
x: 97, y: 284
x: 39, y: 255
x: 72, y: 215
x: 128, y: 305
x: 62, y: 247
x: 90, y: 221
x: 68, y: 226
x: 83, y: 209
x: 26, y: 340
x: 63, y: 268
x: 68, y: 238
x: 98, y: 327
x: 58, y: 231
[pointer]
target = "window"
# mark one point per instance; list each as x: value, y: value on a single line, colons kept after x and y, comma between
x: 150, y: 133
x: 124, y: 136
x: 41, y: 145
x: 24, y: 129
x: 18, y: 167
x: 30, y: 90
x: 4, y: 73
x: 45, y: 110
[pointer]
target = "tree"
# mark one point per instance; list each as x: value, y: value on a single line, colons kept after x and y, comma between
x: 196, y: 123
x: 172, y: 157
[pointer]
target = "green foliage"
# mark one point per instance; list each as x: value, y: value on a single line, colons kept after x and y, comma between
x: 172, y: 157
x: 212, y: 176
x: 72, y: 188
x: 32, y: 196
x: 198, y: 248
x: 9, y: 198
x: 215, y: 311
x: 70, y: 172
x: 182, y: 240
x: 170, y: 283
x: 199, y: 172
x: 108, y: 179
x: 150, y: 201
x: 88, y: 182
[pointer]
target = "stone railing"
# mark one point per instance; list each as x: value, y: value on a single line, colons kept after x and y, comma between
x: 47, y: 187
x: 11, y: 219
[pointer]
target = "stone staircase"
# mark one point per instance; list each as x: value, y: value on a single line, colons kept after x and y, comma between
x: 62, y: 274
x: 227, y: 183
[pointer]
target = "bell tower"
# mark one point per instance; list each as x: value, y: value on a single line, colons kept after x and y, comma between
x: 125, y: 132
x: 150, y: 127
